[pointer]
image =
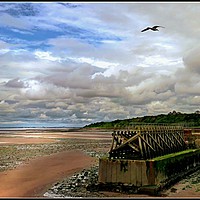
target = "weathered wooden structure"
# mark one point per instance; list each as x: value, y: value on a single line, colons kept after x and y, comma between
x: 146, y: 141
x: 148, y: 175
x: 147, y: 156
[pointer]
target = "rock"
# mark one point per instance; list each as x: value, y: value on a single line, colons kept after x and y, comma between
x: 173, y: 190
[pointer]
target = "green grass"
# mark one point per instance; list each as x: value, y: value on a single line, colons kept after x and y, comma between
x: 175, y: 154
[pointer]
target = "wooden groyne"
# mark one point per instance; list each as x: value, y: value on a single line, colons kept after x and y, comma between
x: 147, y: 158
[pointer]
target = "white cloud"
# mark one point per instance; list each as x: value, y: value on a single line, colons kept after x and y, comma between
x: 46, y: 56
x: 43, y: 116
x: 97, y: 63
x: 90, y: 62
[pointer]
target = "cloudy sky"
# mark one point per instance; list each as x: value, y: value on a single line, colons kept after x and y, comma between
x: 72, y: 64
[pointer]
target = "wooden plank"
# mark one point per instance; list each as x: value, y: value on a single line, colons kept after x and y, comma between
x: 157, y: 144
x: 172, y: 142
x: 181, y: 135
x: 168, y: 143
x: 109, y: 171
x: 173, y: 135
x: 114, y: 171
x: 127, y: 141
x: 143, y: 173
x: 125, y: 171
x: 141, y: 147
x: 127, y: 137
x: 119, y: 172
x: 146, y: 142
x: 133, y: 173
x: 138, y: 173
x: 102, y: 171
x: 160, y: 142
x: 133, y: 147
x: 113, y: 141
x: 150, y: 141
x: 164, y: 142
x: 154, y: 144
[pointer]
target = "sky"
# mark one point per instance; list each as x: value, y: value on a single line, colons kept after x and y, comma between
x: 70, y: 64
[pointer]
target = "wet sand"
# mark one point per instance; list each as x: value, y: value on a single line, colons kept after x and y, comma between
x: 33, y: 178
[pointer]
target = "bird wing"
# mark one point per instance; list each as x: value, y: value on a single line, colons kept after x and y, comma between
x: 158, y: 26
x: 146, y: 29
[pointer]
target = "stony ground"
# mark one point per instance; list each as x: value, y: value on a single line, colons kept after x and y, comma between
x: 14, y: 155
x: 76, y: 185
x: 189, y: 186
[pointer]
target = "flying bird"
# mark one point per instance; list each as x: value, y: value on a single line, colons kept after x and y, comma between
x: 154, y: 28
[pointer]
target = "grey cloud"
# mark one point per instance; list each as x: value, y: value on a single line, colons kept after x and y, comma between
x: 10, y: 21
x: 20, y: 64
x: 11, y: 101
x: 15, y: 83
x: 45, y: 91
x: 78, y: 84
x: 78, y: 77
x: 57, y: 114
x: 4, y: 45
x: 22, y: 9
x: 188, y: 78
x: 31, y: 105
x: 108, y: 14
x: 57, y: 104
x: 191, y: 60
x: 71, y: 45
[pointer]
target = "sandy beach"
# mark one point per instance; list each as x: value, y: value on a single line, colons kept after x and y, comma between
x: 31, y: 162
x: 33, y: 178
x: 36, y: 173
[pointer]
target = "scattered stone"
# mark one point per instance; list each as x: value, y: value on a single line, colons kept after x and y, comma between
x: 173, y: 190
x: 79, y: 185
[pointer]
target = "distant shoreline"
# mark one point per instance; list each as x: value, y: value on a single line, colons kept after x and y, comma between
x: 37, y: 128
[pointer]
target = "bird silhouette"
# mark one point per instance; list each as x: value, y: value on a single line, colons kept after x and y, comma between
x: 154, y: 28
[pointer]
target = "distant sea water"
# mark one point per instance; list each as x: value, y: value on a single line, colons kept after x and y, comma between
x: 22, y: 128
x: 7, y: 129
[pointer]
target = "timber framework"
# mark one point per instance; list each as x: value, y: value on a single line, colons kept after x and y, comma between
x: 146, y: 141
x: 147, y: 158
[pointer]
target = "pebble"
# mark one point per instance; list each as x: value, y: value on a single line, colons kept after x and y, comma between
x: 76, y: 185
